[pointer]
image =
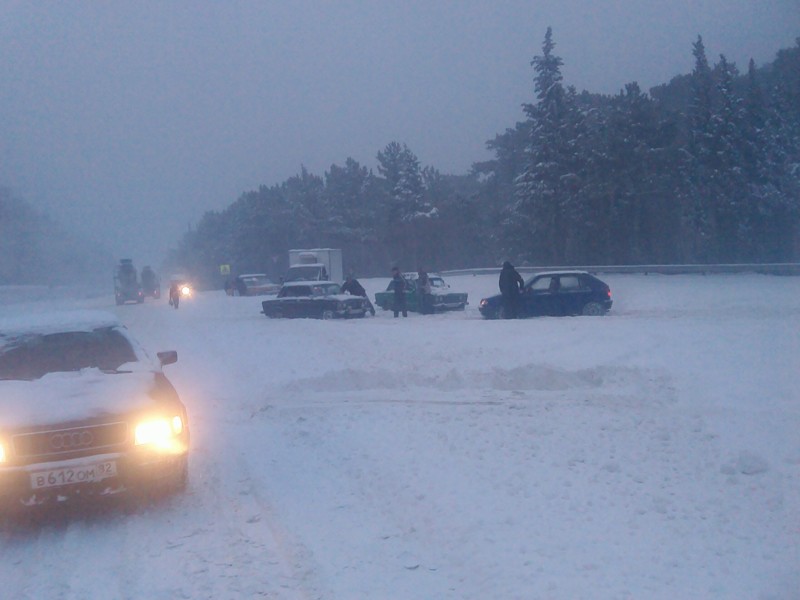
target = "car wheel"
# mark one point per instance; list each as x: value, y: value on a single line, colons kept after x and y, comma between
x: 593, y: 309
x: 327, y: 314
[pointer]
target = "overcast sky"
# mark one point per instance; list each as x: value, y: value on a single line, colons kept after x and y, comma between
x: 128, y: 120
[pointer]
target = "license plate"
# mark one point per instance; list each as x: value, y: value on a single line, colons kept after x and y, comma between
x: 71, y: 475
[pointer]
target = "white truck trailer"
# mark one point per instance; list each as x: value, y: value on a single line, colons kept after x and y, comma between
x: 315, y: 264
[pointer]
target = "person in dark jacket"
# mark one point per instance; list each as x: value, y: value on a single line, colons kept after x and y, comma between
x: 399, y: 287
x: 511, y: 285
x: 354, y: 288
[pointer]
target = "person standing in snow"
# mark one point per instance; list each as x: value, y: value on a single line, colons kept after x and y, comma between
x: 399, y: 287
x: 511, y: 285
x: 423, y: 292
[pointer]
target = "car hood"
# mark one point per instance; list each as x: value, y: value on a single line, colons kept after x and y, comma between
x: 74, y: 396
x: 338, y: 297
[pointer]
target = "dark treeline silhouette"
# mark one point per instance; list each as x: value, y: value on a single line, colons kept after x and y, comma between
x: 705, y: 168
x: 35, y: 250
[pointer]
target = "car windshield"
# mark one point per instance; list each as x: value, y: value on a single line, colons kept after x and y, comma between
x: 256, y: 280
x: 437, y: 282
x: 32, y: 357
x: 328, y: 289
x: 299, y: 273
x: 294, y: 291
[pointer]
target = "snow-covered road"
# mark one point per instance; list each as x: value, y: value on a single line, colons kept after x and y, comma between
x: 652, y: 453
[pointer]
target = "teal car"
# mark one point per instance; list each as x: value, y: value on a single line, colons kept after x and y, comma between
x: 440, y: 299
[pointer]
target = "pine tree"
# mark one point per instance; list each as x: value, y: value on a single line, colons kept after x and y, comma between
x: 700, y: 160
x: 408, y: 210
x: 538, y: 216
x: 729, y: 179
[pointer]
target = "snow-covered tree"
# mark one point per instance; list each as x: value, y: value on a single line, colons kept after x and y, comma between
x: 538, y: 218
x: 408, y: 212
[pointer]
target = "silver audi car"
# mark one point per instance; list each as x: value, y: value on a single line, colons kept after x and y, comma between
x: 85, y: 411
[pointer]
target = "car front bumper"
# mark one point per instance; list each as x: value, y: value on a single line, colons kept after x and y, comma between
x: 93, y: 475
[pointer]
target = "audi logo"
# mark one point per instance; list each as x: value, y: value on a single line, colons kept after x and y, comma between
x: 71, y: 440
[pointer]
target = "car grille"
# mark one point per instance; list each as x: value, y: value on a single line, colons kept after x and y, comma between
x: 76, y: 439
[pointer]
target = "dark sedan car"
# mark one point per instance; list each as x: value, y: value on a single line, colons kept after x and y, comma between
x: 84, y: 411
x: 555, y: 293
x: 255, y: 284
x: 316, y: 300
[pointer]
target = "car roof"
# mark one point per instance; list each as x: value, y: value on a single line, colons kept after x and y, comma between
x: 56, y: 322
x: 308, y: 283
x: 564, y: 272
x: 414, y: 275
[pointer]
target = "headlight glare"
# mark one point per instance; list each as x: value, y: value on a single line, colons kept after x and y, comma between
x: 3, y: 457
x: 161, y: 434
x: 157, y: 432
x: 177, y: 425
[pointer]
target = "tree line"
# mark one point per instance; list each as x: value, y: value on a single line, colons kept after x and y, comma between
x: 35, y: 250
x: 705, y: 168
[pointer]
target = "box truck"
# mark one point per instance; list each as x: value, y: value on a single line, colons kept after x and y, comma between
x: 315, y: 264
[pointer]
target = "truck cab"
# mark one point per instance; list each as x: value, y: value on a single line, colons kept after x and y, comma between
x: 307, y: 272
x: 126, y: 283
x: 316, y: 264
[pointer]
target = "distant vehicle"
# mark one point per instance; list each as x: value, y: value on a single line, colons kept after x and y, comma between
x: 317, y: 300
x: 151, y: 284
x: 86, y: 412
x: 315, y: 264
x: 254, y: 284
x: 126, y: 283
x: 441, y: 298
x: 556, y: 293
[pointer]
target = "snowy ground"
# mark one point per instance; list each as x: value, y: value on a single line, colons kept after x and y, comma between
x: 652, y: 453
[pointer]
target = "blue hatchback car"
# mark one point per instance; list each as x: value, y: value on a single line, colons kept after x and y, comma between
x: 555, y: 293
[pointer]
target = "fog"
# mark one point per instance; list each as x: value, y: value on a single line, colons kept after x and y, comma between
x: 125, y: 122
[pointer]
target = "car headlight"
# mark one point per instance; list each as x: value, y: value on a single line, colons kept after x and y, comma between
x: 3, y: 456
x: 159, y: 433
x: 484, y: 303
x: 186, y: 291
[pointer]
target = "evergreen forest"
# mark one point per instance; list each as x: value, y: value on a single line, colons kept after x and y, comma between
x: 36, y: 250
x: 702, y: 169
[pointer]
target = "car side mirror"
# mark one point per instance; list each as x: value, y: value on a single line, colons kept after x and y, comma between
x: 167, y: 358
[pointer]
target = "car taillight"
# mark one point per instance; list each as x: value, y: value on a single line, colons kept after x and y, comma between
x: 609, y: 292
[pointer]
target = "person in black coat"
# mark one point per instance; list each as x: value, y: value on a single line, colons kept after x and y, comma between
x: 399, y: 287
x: 354, y: 288
x: 511, y: 285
